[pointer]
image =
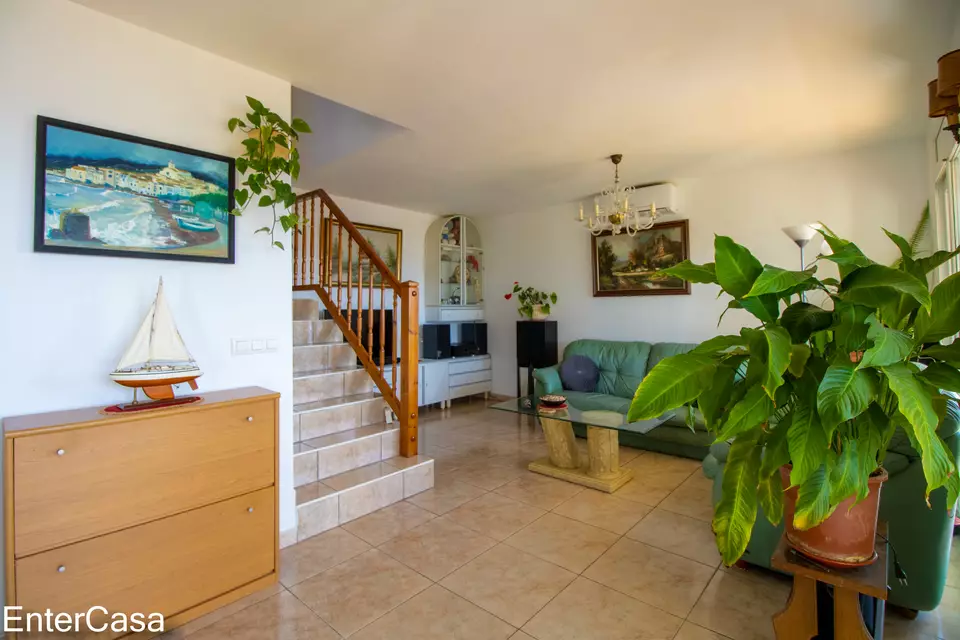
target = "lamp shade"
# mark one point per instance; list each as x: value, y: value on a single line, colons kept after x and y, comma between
x: 941, y: 106
x: 800, y: 233
x: 948, y: 74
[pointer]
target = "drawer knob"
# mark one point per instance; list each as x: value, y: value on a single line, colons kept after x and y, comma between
x: 61, y: 569
x: 60, y: 452
x: 249, y: 418
x: 249, y: 509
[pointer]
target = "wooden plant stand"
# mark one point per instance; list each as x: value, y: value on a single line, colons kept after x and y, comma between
x: 798, y: 620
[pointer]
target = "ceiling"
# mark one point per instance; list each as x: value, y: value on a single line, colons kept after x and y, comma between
x: 507, y: 105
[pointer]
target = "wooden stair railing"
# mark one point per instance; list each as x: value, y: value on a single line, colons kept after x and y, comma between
x: 325, y: 244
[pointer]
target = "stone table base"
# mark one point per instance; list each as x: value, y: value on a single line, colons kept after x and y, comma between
x: 601, y: 471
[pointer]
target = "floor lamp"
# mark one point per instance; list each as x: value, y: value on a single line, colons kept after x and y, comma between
x: 801, y: 234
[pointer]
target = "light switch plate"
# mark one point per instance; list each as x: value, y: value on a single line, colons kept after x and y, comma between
x: 253, y: 346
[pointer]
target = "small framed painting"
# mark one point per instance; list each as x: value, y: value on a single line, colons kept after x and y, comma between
x: 386, y: 242
x: 632, y: 266
x: 104, y: 193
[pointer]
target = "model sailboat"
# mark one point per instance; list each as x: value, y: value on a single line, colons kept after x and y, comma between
x: 157, y: 359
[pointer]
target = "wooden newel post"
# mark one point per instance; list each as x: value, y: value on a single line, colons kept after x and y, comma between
x: 410, y: 366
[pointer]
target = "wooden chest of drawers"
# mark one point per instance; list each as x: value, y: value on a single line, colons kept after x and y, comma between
x: 171, y: 511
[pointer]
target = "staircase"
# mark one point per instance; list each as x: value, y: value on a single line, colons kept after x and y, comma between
x: 346, y: 456
x: 351, y: 456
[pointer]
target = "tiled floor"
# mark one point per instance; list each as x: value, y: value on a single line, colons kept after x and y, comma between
x: 495, y: 552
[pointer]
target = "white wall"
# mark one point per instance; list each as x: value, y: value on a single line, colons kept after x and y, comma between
x: 65, y: 320
x: 855, y: 192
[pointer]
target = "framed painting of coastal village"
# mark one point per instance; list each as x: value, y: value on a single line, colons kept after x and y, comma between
x: 105, y: 193
x: 386, y: 241
x: 632, y: 266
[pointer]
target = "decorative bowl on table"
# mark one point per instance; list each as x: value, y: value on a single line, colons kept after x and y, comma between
x: 553, y: 401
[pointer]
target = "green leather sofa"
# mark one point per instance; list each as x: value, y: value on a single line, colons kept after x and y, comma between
x: 921, y: 535
x: 622, y: 366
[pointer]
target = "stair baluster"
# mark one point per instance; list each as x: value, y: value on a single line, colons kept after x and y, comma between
x: 297, y: 280
x: 396, y: 314
x: 339, y: 265
x: 313, y: 239
x: 370, y: 313
x: 350, y: 283
x: 383, y: 328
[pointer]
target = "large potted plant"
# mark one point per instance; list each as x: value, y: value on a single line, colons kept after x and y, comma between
x: 811, y: 397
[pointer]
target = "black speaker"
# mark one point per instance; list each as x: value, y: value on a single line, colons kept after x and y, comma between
x: 435, y: 341
x: 537, y: 343
x: 473, y: 336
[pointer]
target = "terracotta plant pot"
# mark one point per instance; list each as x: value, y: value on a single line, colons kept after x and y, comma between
x: 847, y: 537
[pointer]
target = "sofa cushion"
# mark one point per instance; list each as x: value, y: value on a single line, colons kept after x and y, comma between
x: 579, y: 373
x: 547, y: 380
x: 663, y: 350
x: 622, y: 364
x: 681, y: 436
x: 895, y: 463
x: 950, y: 424
x: 678, y: 418
x: 900, y: 443
x: 585, y: 401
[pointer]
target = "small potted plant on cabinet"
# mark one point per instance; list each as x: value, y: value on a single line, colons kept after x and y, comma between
x: 811, y: 397
x: 534, y: 304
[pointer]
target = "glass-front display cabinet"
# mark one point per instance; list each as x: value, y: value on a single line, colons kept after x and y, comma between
x: 454, y: 270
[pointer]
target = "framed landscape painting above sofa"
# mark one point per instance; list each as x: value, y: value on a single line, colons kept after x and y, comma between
x: 625, y: 265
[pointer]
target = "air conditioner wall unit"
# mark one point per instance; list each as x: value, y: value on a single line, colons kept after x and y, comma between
x: 664, y: 195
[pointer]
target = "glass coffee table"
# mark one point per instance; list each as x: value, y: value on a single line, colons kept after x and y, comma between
x: 602, y: 468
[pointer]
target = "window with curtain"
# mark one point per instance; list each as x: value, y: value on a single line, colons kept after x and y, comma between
x: 947, y: 208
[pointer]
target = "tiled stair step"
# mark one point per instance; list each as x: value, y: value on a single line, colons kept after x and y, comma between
x: 306, y: 309
x: 348, y: 496
x: 333, y: 415
x: 324, y: 384
x: 307, y: 332
x: 318, y: 357
x: 320, y: 458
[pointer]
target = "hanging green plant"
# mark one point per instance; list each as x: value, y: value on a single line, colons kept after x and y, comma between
x: 270, y: 161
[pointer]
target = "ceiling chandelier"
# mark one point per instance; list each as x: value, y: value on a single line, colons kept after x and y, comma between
x: 944, y: 92
x: 615, y: 213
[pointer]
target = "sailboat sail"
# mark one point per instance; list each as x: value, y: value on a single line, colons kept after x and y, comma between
x: 166, y: 345
x: 138, y: 352
x: 157, y: 340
